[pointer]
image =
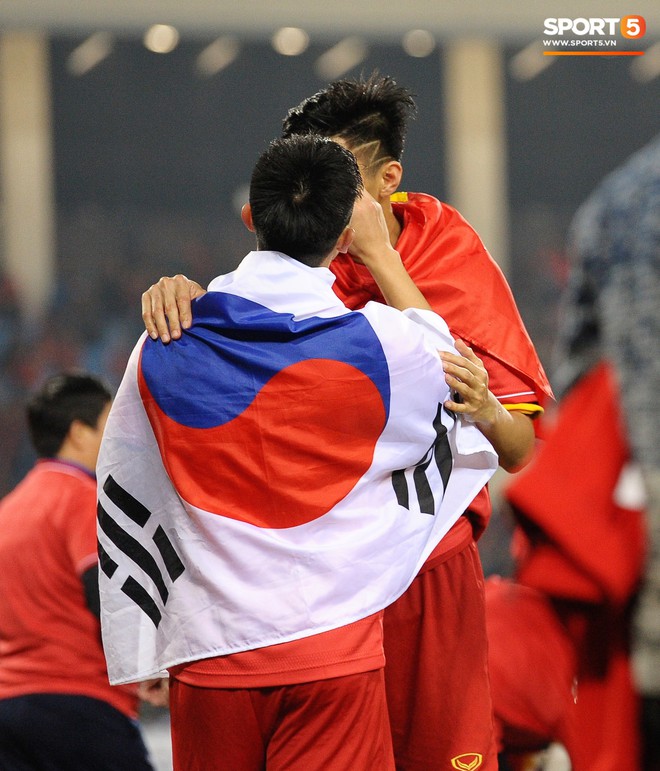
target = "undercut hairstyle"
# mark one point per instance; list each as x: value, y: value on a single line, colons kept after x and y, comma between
x: 302, y: 193
x: 61, y: 400
x: 369, y: 115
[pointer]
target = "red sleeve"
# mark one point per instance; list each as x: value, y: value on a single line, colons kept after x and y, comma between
x: 506, y: 384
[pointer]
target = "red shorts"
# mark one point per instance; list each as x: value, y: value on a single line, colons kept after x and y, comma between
x: 327, y: 725
x: 436, y: 669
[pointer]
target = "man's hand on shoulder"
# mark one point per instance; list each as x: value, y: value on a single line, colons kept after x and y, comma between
x: 166, y: 306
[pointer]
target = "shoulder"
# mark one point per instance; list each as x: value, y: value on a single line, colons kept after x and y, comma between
x: 404, y: 335
x: 69, y: 488
x: 383, y: 318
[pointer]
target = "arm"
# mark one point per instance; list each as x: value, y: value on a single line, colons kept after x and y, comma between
x: 510, y: 433
x: 371, y: 246
x: 90, y: 582
x: 166, y: 306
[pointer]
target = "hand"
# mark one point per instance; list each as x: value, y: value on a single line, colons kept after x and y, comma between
x: 510, y: 433
x: 155, y: 692
x: 467, y: 377
x: 371, y: 246
x: 166, y: 306
x: 370, y: 234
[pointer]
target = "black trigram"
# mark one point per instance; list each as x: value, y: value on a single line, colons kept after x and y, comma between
x: 440, y: 454
x: 135, y: 551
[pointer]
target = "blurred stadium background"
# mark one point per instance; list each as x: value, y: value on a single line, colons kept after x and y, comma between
x: 128, y: 132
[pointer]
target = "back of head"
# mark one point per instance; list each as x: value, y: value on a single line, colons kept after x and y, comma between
x: 370, y: 116
x: 302, y: 193
x: 61, y: 400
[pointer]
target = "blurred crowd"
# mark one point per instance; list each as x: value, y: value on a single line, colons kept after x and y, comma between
x: 105, y: 261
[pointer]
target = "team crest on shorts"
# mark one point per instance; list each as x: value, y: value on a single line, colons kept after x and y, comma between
x: 468, y: 761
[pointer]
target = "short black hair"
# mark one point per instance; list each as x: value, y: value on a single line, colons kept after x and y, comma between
x: 362, y: 112
x: 63, y: 398
x: 302, y: 193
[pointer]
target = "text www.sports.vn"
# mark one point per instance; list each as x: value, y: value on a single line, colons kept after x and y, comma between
x: 560, y: 43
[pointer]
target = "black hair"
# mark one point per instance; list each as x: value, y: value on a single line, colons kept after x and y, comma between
x: 63, y: 398
x: 302, y: 193
x: 362, y: 112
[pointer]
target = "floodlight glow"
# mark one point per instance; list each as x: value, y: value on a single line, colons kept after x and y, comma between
x: 161, y: 38
x: 418, y: 43
x: 89, y: 53
x: 341, y: 58
x: 218, y: 55
x: 290, y: 41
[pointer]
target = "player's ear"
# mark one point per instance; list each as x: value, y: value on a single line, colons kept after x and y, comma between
x: 345, y: 240
x: 390, y: 177
x: 246, y: 216
x: 76, y: 433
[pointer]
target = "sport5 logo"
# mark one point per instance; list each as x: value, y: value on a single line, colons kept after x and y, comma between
x: 631, y: 27
x: 468, y: 761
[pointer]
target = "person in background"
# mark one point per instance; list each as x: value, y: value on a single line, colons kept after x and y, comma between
x: 584, y: 665
x: 58, y: 710
x: 613, y: 313
x: 435, y: 636
x: 559, y: 630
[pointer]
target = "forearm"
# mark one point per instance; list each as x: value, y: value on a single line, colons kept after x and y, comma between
x: 510, y: 433
x: 396, y: 286
x: 372, y: 247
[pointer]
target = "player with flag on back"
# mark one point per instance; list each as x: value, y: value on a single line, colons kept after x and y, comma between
x: 439, y: 713
x: 272, y: 480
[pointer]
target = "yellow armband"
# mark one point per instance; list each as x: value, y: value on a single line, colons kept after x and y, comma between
x: 533, y: 410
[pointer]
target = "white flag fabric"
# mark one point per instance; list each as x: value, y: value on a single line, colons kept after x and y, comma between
x: 283, y: 469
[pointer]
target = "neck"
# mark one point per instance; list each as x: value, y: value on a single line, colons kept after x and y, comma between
x: 87, y: 461
x: 393, y: 225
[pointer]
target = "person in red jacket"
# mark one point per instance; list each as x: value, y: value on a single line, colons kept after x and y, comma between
x: 57, y: 709
x: 435, y: 638
x: 559, y: 631
x: 587, y: 510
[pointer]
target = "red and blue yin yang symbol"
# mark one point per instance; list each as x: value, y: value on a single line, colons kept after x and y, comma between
x: 262, y: 418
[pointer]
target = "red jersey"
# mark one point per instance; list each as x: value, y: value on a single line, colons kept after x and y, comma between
x: 448, y: 262
x: 50, y: 642
x: 347, y: 650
